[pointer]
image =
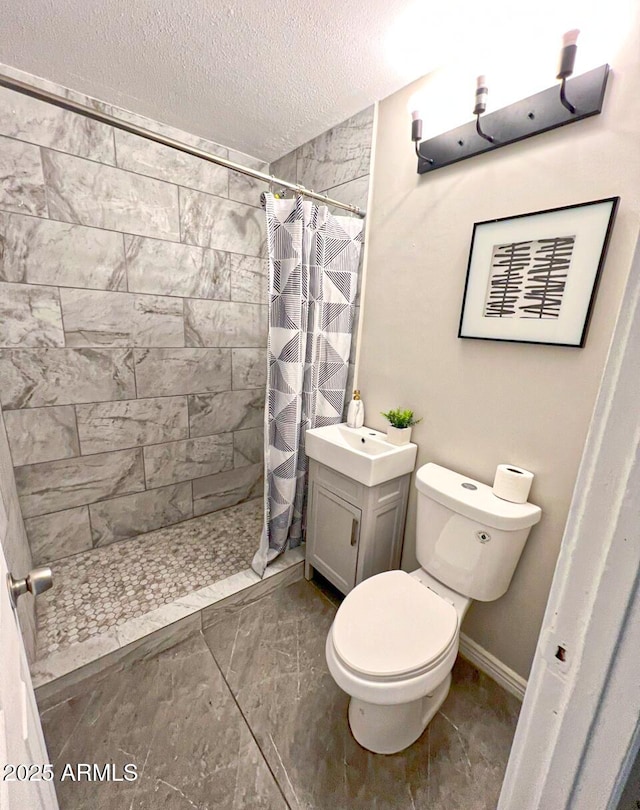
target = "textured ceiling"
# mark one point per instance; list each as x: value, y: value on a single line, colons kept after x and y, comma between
x: 262, y: 77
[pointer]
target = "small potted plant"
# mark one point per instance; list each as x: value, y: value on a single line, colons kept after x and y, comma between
x: 400, y: 424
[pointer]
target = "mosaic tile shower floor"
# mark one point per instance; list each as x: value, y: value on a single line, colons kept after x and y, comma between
x: 107, y: 586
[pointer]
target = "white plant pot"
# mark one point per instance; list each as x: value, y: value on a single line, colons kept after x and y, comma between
x: 398, y: 435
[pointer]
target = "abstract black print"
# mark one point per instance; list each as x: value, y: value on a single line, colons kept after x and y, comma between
x: 528, y: 279
x: 533, y: 278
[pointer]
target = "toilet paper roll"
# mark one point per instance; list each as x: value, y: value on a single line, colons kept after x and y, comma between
x: 512, y: 483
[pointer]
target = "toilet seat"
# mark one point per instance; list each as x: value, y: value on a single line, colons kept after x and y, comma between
x: 392, y: 626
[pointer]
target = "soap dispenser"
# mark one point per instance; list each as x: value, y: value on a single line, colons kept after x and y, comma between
x: 355, y: 412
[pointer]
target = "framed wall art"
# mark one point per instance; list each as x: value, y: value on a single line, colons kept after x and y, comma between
x: 533, y: 278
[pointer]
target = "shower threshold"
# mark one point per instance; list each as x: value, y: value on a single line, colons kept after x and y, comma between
x: 127, y: 600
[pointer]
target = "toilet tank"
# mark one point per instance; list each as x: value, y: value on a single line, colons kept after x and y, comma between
x: 467, y: 537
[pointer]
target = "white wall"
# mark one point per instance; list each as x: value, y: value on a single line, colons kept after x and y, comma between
x: 485, y: 403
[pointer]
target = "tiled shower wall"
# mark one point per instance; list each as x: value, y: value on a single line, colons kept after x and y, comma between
x: 133, y: 317
x: 336, y: 163
x: 14, y: 541
x: 133, y: 322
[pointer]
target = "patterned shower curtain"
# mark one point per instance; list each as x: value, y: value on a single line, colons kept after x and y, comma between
x: 313, y: 279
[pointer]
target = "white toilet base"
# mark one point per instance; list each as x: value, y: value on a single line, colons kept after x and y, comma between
x: 389, y: 729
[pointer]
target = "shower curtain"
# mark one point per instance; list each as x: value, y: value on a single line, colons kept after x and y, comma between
x: 313, y: 279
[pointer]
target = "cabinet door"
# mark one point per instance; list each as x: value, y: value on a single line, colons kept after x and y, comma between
x: 381, y: 545
x: 334, y: 531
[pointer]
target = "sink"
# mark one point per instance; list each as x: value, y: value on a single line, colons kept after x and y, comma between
x: 360, y: 453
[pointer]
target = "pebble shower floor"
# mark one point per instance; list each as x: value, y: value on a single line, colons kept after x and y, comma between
x: 107, y: 586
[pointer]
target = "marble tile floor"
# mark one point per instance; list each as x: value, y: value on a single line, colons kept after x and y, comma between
x: 107, y: 586
x: 245, y: 715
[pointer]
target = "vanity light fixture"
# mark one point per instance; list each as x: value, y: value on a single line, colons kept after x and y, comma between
x: 579, y: 98
x: 567, y: 61
x: 481, y: 106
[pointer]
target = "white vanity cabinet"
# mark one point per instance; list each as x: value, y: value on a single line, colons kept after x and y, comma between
x: 353, y: 531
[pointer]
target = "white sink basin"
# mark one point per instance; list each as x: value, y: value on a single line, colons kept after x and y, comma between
x: 360, y: 453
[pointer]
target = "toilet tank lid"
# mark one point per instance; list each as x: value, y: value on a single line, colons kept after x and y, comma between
x: 475, y: 500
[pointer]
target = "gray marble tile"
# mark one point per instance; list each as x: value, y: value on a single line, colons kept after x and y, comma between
x: 248, y: 447
x: 108, y: 426
x: 21, y: 180
x: 255, y: 589
x: 173, y: 621
x: 173, y: 716
x: 156, y: 571
x: 64, y: 674
x: 249, y: 161
x: 246, y: 189
x: 249, y: 368
x: 242, y: 187
x: 29, y: 119
x: 4, y: 517
x: 169, y: 268
x: 168, y: 131
x: 245, y: 586
x: 71, y: 671
x: 342, y: 153
x: 226, y: 411
x: 42, y: 251
x: 354, y: 192
x: 59, y: 534
x: 98, y: 318
x: 56, y: 485
x: 225, y: 323
x: 470, y: 740
x: 249, y: 279
x: 66, y: 723
x: 30, y: 316
x: 315, y: 769
x: 93, y: 318
x: 158, y: 321
x: 42, y: 434
x: 183, y: 460
x: 14, y: 540
x: 155, y: 160
x: 227, y: 489
x: 59, y: 671
x: 285, y: 168
x: 165, y: 372
x: 222, y: 224
x: 54, y: 87
x: 279, y: 640
x: 33, y: 377
x: 130, y: 515
x: 90, y: 193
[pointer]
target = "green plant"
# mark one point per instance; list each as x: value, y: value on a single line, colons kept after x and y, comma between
x: 401, y: 418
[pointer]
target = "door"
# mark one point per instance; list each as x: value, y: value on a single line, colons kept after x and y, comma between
x: 334, y: 528
x: 25, y: 774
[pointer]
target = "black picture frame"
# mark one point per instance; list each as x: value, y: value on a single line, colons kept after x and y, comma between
x: 533, y: 278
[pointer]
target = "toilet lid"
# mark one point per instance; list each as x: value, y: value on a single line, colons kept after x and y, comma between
x: 392, y: 624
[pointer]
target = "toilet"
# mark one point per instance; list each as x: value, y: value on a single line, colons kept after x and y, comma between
x: 394, y: 639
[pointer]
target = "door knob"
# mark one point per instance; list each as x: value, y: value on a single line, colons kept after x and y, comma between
x: 37, y: 581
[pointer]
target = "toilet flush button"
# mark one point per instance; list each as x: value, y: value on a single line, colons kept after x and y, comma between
x: 468, y: 485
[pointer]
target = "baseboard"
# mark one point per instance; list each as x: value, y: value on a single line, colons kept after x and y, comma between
x: 491, y: 666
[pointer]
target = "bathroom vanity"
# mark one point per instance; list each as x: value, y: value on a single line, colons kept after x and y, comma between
x: 353, y: 531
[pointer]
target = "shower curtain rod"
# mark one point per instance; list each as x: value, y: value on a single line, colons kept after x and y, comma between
x: 105, y: 118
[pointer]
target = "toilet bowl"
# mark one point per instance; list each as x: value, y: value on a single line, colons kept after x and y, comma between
x: 391, y: 648
x: 394, y: 639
